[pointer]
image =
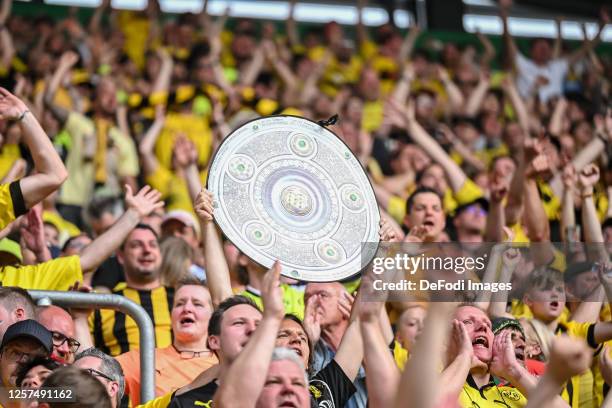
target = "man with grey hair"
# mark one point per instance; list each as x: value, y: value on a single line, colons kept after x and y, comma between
x: 106, y: 369
x: 16, y: 305
x: 286, y: 381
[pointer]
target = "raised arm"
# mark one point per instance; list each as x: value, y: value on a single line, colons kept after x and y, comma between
x: 518, y: 103
x: 489, y: 50
x: 94, y: 23
x: 407, y: 47
x: 66, y: 62
x: 138, y: 206
x: 536, y: 220
x: 474, y: 102
x: 496, y: 216
x: 217, y: 270
x: 281, y: 68
x: 499, y: 300
x: 420, y: 383
x: 568, y: 357
x: 246, y: 377
x: 382, y: 375
x: 568, y: 216
x: 162, y: 82
x: 455, y: 174
x: 291, y: 26
x: 511, y: 49
x: 556, y: 121
x: 146, y: 148
x: 8, y: 49
x: 50, y: 171
x: 253, y: 68
x: 455, y: 97
x: 587, y: 46
x: 362, y: 31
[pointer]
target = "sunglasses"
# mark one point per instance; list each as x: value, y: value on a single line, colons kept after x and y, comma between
x: 97, y: 373
x: 59, y: 339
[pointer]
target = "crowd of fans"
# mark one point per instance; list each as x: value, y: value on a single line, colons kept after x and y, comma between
x: 106, y: 134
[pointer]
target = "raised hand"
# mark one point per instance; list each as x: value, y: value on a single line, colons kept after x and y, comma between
x: 312, y: 318
x: 588, y: 177
x: 144, y: 202
x: 569, y: 176
x: 386, y: 232
x: 345, y: 304
x: 76, y: 312
x: 204, y: 205
x: 499, y: 189
x: 460, y: 344
x: 511, y: 258
x: 504, y: 363
x: 568, y: 357
x: 11, y: 107
x: 416, y: 235
x: 68, y: 59
x: 32, y: 230
x: 272, y: 294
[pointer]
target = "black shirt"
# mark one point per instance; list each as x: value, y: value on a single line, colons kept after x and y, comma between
x: 202, y: 395
x: 329, y: 388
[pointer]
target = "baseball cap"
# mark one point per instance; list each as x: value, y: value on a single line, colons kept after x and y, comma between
x: 11, y: 247
x: 184, y: 217
x: 501, y: 323
x: 31, y: 329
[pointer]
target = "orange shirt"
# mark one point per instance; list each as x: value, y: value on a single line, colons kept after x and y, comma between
x: 172, y: 371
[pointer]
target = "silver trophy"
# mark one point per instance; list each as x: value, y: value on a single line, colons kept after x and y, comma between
x: 288, y: 188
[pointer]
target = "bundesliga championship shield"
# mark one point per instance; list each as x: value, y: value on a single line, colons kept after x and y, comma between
x: 287, y: 188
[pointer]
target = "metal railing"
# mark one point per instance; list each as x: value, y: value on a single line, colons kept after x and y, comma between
x: 121, y: 304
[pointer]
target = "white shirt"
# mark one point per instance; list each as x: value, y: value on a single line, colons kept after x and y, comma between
x: 528, y: 72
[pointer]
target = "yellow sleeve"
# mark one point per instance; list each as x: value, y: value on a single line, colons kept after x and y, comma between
x: 468, y: 192
x: 57, y: 274
x: 160, y: 180
x: 397, y: 208
x: 159, y: 402
x: 400, y: 355
x: 128, y: 158
x: 78, y: 124
x: 7, y: 210
x: 583, y: 331
x: 294, y: 301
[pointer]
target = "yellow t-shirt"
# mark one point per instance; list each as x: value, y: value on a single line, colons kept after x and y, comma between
x: 160, y: 402
x: 400, y: 355
x: 194, y: 127
x: 56, y: 274
x: 8, y: 155
x: 491, y: 395
x: 11, y: 203
x: 293, y: 300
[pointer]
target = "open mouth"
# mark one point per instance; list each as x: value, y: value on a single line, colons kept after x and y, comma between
x: 519, y: 353
x: 481, y: 341
x: 429, y: 223
x: 554, y: 304
x: 298, y: 351
x: 187, y: 320
x: 288, y: 404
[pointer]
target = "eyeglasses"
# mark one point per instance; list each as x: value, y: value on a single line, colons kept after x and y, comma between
x: 59, y: 339
x: 97, y: 373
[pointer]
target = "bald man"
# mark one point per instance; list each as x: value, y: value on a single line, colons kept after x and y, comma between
x: 60, y: 324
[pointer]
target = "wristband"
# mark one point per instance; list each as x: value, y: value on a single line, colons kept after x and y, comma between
x: 20, y: 118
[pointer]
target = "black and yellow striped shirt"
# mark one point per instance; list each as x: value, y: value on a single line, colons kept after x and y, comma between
x: 115, y: 333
